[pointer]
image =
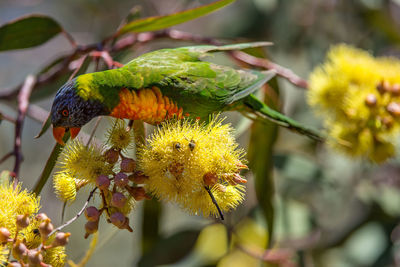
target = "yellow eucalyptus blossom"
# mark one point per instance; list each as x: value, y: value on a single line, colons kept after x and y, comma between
x: 84, y: 161
x: 119, y: 137
x: 15, y: 202
x: 3, y: 254
x: 359, y: 97
x: 65, y: 186
x: 56, y: 256
x: 184, y: 157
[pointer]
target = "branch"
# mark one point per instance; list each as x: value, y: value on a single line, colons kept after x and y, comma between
x: 59, y: 228
x: 265, y: 63
x: 23, y: 103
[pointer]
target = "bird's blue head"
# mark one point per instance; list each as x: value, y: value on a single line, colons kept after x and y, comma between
x: 71, y: 112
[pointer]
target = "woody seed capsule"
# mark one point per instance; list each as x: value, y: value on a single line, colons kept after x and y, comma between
x: 45, y: 228
x: 118, y: 219
x: 128, y: 165
x: 118, y: 200
x: 22, y: 221
x: 121, y: 179
x: 394, y: 109
x: 4, y: 234
x: 102, y: 182
x: 34, y: 258
x: 111, y: 155
x: 42, y: 216
x: 92, y: 214
x: 19, y: 250
x: 138, y: 177
x: 370, y: 100
x: 91, y: 227
x: 61, y: 239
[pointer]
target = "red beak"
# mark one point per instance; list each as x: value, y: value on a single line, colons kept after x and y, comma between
x: 59, y: 132
x: 74, y: 132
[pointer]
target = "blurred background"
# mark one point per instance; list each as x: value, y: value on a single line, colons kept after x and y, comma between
x: 328, y: 210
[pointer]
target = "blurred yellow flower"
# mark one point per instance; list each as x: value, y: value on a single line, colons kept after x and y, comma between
x: 184, y: 157
x: 359, y: 97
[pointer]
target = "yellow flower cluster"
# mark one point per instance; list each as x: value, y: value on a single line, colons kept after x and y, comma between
x: 183, y: 159
x: 21, y: 230
x: 15, y: 202
x: 79, y: 164
x: 107, y: 169
x: 359, y: 97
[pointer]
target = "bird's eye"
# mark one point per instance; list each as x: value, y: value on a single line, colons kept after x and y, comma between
x: 65, y: 112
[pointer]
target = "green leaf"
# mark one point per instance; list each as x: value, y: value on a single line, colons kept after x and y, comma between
x: 28, y: 31
x: 46, y: 125
x: 162, y: 22
x: 5, y: 177
x: 51, y: 162
x: 171, y: 249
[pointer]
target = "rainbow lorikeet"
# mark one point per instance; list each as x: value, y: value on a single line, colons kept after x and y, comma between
x: 163, y: 84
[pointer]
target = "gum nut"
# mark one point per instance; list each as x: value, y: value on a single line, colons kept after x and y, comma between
x: 4, y: 234
x: 34, y: 257
x: 102, y: 182
x: 91, y: 227
x: 41, y: 216
x: 138, y: 177
x: 128, y: 165
x: 45, y: 228
x: 61, y: 239
x: 370, y: 100
x: 394, y: 109
x: 19, y: 250
x: 121, y: 179
x: 118, y: 219
x: 118, y: 200
x: 92, y: 213
x: 111, y: 156
x: 22, y: 221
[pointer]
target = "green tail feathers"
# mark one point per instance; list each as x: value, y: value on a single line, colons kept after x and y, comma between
x: 260, y: 109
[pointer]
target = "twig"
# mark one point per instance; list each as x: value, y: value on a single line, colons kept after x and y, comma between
x: 215, y: 202
x: 59, y: 228
x: 7, y: 118
x: 265, y: 63
x: 70, y: 39
x: 79, y: 63
x: 23, y: 103
x: 6, y: 156
x: 94, y: 130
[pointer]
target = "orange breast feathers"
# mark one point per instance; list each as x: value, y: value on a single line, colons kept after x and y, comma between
x: 148, y: 105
